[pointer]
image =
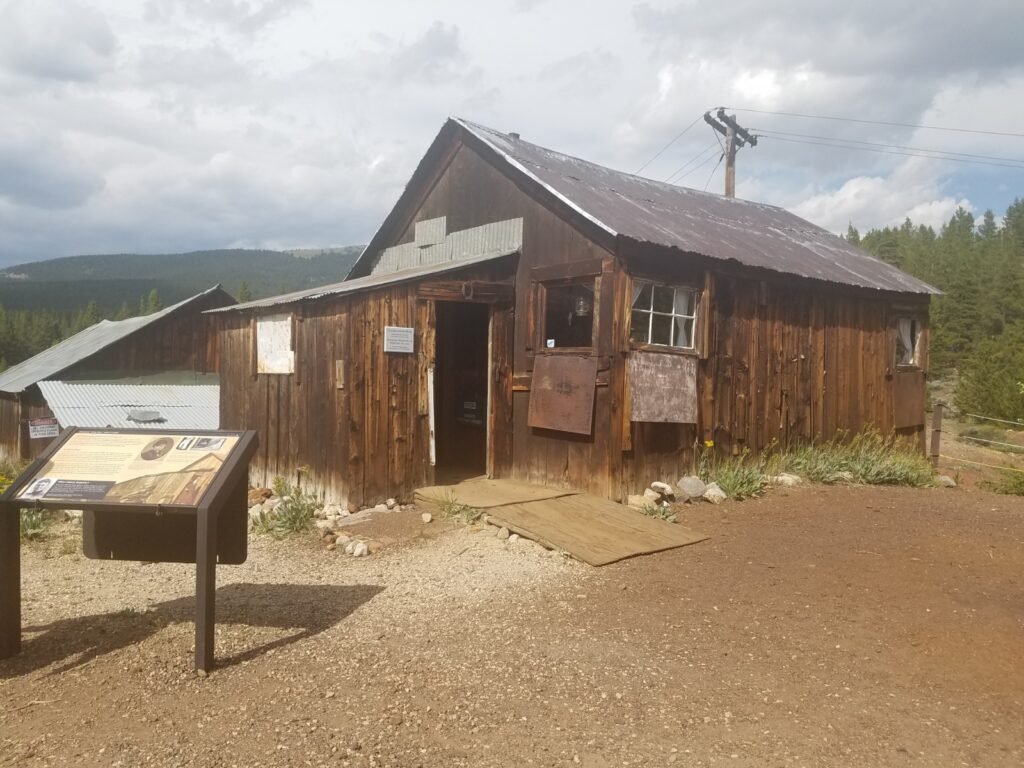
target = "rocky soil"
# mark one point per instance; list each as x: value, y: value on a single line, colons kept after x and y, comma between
x: 818, y: 626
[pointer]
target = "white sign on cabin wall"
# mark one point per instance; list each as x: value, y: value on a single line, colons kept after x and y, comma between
x: 42, y: 428
x: 274, y: 352
x: 399, y: 339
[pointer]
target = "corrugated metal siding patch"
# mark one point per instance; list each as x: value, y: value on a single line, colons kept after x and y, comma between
x: 112, y: 405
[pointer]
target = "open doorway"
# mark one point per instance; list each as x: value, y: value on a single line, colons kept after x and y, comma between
x: 460, y: 390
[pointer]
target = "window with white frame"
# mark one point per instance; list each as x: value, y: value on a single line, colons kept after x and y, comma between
x: 663, y: 314
x: 908, y: 335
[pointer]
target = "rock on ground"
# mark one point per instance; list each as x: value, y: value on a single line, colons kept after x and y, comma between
x: 691, y: 487
x: 715, y: 494
x: 946, y: 481
x: 785, y: 480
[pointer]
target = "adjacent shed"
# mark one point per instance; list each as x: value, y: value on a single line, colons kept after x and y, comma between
x: 175, y: 346
x: 531, y: 315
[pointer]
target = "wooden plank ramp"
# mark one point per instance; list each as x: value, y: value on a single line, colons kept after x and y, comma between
x: 593, y: 530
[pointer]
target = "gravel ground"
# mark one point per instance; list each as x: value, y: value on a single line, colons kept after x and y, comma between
x: 820, y: 626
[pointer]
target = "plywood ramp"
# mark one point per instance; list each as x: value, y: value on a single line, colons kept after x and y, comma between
x: 591, y: 529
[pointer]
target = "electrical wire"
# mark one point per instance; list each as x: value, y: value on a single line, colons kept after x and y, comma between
x: 696, y: 168
x: 677, y: 138
x: 675, y: 174
x: 708, y: 182
x: 765, y: 132
x: 894, y: 152
x: 879, y: 122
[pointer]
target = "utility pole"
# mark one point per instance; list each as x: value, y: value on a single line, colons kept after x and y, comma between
x: 736, y: 137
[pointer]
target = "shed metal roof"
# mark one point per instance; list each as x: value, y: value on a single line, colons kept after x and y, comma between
x: 369, y: 282
x: 112, y: 405
x: 718, y: 227
x: 82, y: 345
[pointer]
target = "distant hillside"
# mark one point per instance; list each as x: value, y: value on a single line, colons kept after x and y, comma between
x: 111, y: 280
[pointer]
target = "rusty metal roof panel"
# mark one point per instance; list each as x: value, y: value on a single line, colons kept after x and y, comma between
x: 370, y: 282
x: 82, y: 345
x: 749, y: 233
x: 133, y: 406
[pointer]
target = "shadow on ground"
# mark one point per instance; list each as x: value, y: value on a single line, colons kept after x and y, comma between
x: 309, y: 609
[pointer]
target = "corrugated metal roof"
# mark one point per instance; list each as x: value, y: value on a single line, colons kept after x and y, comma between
x: 753, y: 234
x: 368, y: 283
x: 83, y: 344
x: 111, y: 405
x: 500, y: 236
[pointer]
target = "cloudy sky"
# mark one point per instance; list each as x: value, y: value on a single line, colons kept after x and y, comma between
x: 169, y: 125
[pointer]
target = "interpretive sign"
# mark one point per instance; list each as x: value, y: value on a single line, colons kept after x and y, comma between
x: 130, y: 467
x: 147, y: 495
x: 40, y: 429
x: 399, y: 339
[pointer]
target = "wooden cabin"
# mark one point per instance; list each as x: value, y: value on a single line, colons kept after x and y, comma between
x: 530, y: 315
x: 173, y: 347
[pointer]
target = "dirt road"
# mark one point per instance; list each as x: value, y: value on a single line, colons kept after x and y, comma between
x: 818, y: 626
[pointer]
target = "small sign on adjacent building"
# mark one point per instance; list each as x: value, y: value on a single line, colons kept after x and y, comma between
x: 39, y: 429
x: 399, y: 339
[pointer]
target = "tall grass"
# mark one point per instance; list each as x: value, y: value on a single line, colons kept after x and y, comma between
x: 741, y: 477
x: 867, y: 458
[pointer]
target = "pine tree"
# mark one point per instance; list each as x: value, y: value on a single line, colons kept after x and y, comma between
x: 153, y: 303
x: 244, y: 294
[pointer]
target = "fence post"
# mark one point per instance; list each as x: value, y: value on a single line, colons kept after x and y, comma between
x: 936, y: 432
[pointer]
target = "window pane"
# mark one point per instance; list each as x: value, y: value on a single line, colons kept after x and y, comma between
x: 638, y: 326
x: 642, y: 295
x: 684, y: 333
x: 684, y: 302
x: 661, y: 329
x: 569, y: 315
x: 663, y: 298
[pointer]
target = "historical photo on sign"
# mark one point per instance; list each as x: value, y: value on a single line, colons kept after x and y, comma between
x: 124, y: 468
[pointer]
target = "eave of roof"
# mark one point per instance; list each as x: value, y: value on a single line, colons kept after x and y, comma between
x: 362, y: 284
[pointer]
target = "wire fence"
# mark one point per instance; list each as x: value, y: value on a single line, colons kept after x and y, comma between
x: 998, y: 444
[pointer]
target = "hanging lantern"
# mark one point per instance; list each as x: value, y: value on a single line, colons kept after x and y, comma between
x: 581, y: 306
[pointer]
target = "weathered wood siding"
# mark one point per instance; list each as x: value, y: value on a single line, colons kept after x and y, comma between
x: 15, y: 412
x: 782, y: 361
x: 471, y: 192
x: 779, y: 359
x: 185, y: 341
x: 351, y: 424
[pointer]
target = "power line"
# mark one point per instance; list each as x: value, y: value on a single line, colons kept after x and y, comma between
x: 707, y: 160
x: 894, y: 152
x: 687, y: 164
x: 708, y: 182
x: 880, y: 122
x: 776, y: 134
x: 662, y: 150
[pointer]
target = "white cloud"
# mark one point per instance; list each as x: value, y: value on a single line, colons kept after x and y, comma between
x: 55, y: 40
x: 181, y: 124
x: 913, y: 189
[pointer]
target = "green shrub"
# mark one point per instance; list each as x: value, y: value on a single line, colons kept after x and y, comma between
x: 453, y: 509
x: 293, y: 514
x: 659, y: 512
x: 865, y: 458
x: 1009, y: 482
x: 33, y: 524
x: 741, y: 477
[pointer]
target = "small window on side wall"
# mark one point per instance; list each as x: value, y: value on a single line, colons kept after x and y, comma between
x: 569, y: 314
x: 908, y: 336
x: 274, y: 352
x: 663, y: 314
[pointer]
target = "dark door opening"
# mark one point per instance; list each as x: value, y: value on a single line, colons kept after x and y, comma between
x: 460, y: 390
